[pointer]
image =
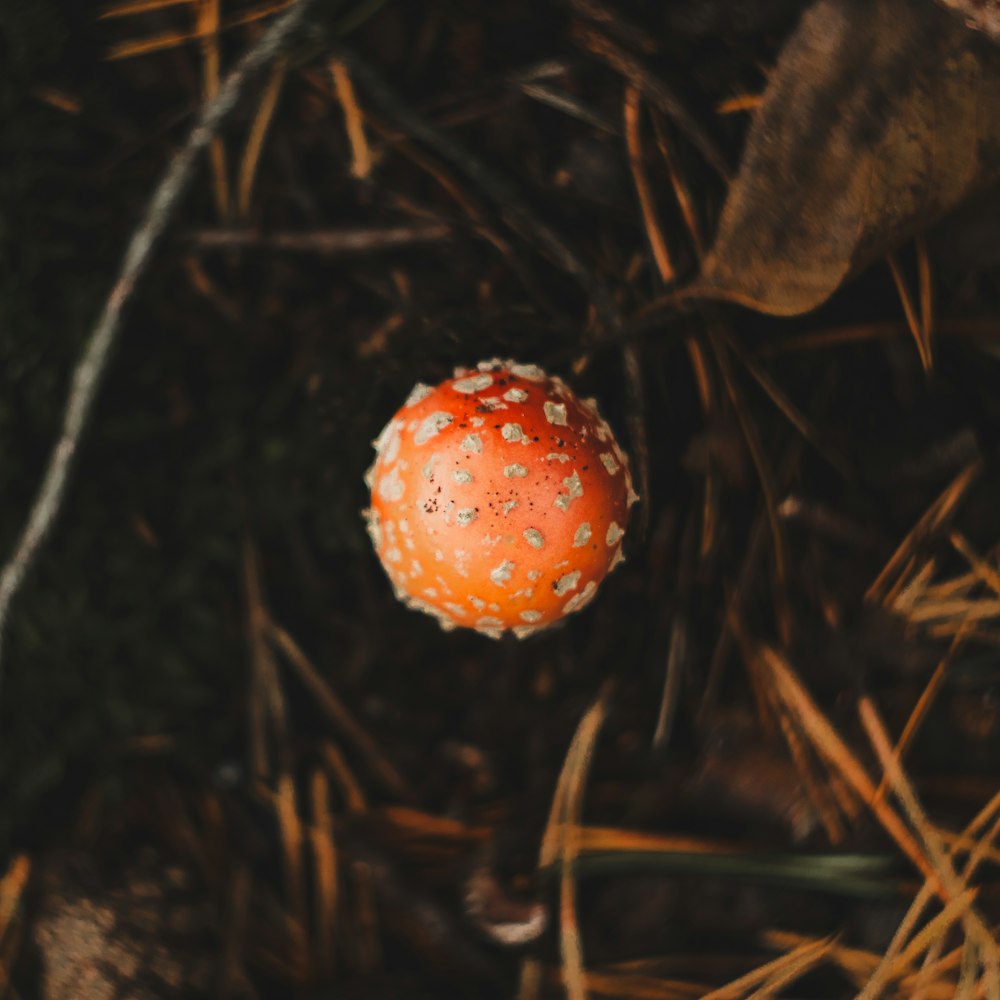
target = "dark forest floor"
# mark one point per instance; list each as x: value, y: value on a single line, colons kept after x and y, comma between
x: 209, y: 691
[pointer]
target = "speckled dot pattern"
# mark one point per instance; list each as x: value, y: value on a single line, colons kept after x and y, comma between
x: 499, y: 500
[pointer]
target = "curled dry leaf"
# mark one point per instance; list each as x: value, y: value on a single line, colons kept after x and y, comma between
x: 879, y: 118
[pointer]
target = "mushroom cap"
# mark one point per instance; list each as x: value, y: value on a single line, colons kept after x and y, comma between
x: 499, y: 500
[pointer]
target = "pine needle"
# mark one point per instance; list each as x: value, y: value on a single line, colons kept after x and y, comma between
x: 255, y: 141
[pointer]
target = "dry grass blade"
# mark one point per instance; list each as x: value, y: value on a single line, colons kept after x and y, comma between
x: 417, y: 824
x: 349, y: 785
x: 910, y: 585
x: 603, y: 839
x: 361, y: 157
x: 12, y: 887
x: 707, y: 397
x: 552, y: 837
x: 983, y: 848
x: 146, y: 46
x: 933, y: 932
x: 837, y: 336
x: 635, y: 986
x: 974, y: 925
x: 927, y: 977
x: 173, y: 39
x: 266, y: 699
x: 856, y: 963
x: 132, y: 7
x: 567, y: 105
x: 922, y: 707
x: 635, y: 416
x: 676, y: 653
x: 366, y: 947
x: 633, y: 141
x: 465, y: 202
x: 958, y: 613
x: 58, y: 99
x: 767, y: 485
x: 925, y: 285
x: 233, y: 977
x: 562, y: 840
x: 324, y: 852
x: 208, y: 25
x: 578, y: 765
x: 792, y: 964
x: 605, y: 850
x: 773, y: 714
x: 682, y: 191
x: 889, y: 966
x: 791, y: 412
x: 943, y: 590
x: 795, y: 967
x: 932, y: 519
x: 856, y: 333
x: 349, y: 240
x: 10, y: 948
x: 732, y: 622
x: 226, y: 304
x: 258, y: 133
x: 611, y: 20
x: 665, y: 270
x: 960, y: 844
x: 739, y: 102
x: 966, y: 985
x: 704, y: 380
x: 984, y: 570
x: 907, y: 926
x: 529, y: 983
x: 819, y: 792
x: 918, y: 326
x: 338, y: 713
x: 293, y: 861
x: 832, y: 748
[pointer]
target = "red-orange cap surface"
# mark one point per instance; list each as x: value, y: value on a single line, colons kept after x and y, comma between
x: 499, y: 500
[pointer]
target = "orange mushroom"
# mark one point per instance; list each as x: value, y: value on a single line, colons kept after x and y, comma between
x: 499, y: 500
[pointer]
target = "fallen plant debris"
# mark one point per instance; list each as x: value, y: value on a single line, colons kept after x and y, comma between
x: 876, y: 120
x: 765, y: 759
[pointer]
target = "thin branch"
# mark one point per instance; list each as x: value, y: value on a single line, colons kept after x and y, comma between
x: 361, y: 239
x: 94, y: 360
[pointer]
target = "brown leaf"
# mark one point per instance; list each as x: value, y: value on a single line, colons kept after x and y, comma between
x: 879, y: 117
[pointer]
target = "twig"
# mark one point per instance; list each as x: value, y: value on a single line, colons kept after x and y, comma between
x: 94, y: 360
x: 363, y: 239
